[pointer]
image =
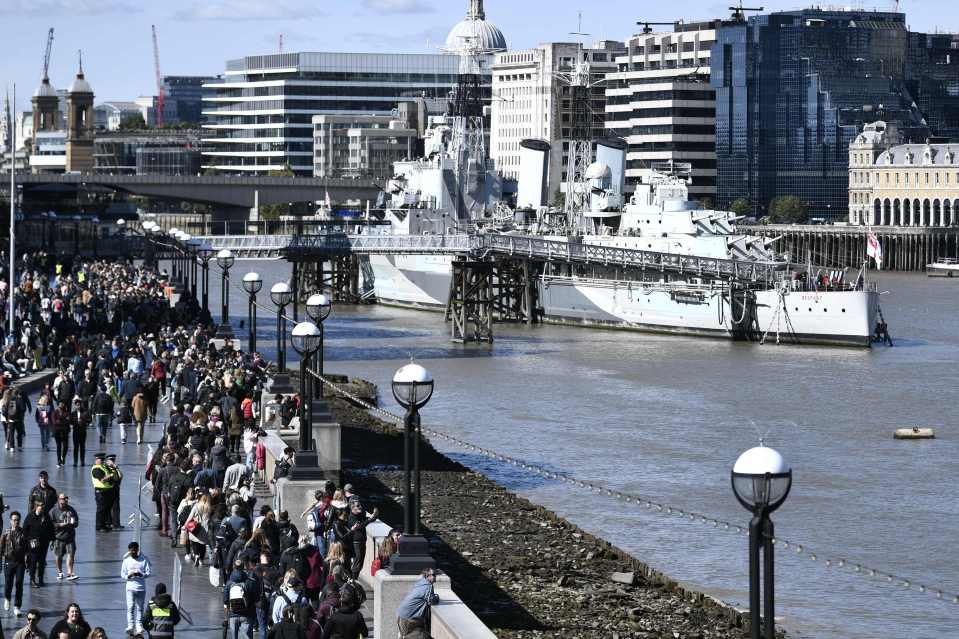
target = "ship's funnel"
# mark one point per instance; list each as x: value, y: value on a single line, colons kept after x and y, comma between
x: 612, y: 153
x: 533, y: 174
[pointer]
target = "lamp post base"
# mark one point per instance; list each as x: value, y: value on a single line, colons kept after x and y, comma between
x: 307, y: 467
x: 412, y: 556
x: 281, y: 384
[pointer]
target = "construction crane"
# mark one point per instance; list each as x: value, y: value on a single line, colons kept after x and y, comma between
x: 46, y: 55
x: 281, y: 43
x: 159, y: 78
x: 739, y: 13
x: 648, y: 26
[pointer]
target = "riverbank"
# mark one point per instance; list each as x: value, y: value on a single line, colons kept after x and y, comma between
x: 523, y: 570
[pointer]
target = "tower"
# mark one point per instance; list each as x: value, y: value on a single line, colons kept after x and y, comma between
x: 80, y: 124
x: 46, y: 111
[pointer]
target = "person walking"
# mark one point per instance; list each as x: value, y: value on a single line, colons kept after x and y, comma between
x: 32, y: 629
x: 60, y: 424
x: 15, y: 410
x: 412, y: 615
x: 39, y: 531
x: 240, y: 593
x: 13, y: 549
x: 79, y: 422
x: 135, y: 569
x: 140, y: 411
x: 43, y: 492
x: 347, y: 620
x: 42, y: 414
x: 102, y: 412
x: 161, y: 615
x: 65, y: 522
x: 103, y: 478
x: 72, y: 626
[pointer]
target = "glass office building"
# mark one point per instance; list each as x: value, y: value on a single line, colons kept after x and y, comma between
x: 932, y: 76
x: 793, y: 89
x: 259, y: 116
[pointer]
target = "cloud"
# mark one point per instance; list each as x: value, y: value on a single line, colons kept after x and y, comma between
x: 398, y: 6
x: 425, y: 41
x: 59, y: 8
x: 250, y: 10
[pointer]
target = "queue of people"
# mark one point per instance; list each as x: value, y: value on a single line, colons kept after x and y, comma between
x: 123, y: 353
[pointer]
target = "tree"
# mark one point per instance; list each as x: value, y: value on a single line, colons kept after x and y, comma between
x: 286, y: 172
x: 741, y: 207
x: 787, y: 209
x: 708, y: 203
x: 133, y: 123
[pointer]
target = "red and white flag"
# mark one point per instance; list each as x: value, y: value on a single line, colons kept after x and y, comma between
x: 874, y: 250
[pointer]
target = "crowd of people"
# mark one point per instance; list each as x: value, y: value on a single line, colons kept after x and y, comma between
x: 122, y: 353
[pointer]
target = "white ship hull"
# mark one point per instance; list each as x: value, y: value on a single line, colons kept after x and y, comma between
x: 792, y: 317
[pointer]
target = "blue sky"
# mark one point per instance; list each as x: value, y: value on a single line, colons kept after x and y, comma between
x: 198, y: 37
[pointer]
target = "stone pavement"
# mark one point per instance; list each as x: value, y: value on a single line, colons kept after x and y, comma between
x: 100, y: 591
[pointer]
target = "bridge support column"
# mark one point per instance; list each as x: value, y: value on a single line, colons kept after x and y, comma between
x: 514, y: 291
x: 470, y: 304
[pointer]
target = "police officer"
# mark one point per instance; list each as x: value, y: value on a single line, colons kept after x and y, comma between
x: 161, y: 614
x: 103, y: 480
x: 115, y: 499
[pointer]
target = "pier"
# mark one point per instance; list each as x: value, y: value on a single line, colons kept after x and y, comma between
x: 903, y: 248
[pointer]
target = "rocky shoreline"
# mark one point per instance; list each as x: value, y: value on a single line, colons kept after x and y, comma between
x: 522, y: 569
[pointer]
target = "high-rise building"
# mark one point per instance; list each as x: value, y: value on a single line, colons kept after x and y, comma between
x: 660, y: 101
x: 932, y: 76
x: 260, y: 117
x: 793, y: 90
x: 183, y: 98
x: 533, y: 99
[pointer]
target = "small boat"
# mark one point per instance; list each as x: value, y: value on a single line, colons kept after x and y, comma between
x: 916, y: 432
x: 943, y: 267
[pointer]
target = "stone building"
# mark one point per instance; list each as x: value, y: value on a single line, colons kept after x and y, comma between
x: 895, y: 184
x: 80, y: 125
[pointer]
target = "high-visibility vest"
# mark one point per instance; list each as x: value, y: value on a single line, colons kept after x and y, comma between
x: 101, y: 484
x: 162, y: 626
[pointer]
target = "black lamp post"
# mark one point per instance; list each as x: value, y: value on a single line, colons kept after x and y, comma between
x: 318, y: 307
x: 174, y: 234
x: 194, y: 246
x: 252, y: 283
x: 306, y: 340
x: 280, y: 295
x: 412, y: 388
x: 224, y: 260
x: 761, y: 481
x: 205, y: 253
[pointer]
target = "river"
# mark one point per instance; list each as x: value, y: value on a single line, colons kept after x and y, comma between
x: 667, y: 416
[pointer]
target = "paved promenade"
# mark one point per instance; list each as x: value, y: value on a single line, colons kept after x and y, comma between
x: 100, y: 591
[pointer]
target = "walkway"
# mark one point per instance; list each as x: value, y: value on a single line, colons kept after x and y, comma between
x: 100, y: 591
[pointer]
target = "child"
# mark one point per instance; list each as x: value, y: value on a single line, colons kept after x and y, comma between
x: 124, y: 418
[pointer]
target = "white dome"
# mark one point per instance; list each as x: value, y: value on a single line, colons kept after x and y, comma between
x: 475, y: 32
x: 597, y: 171
x: 45, y: 90
x: 80, y: 85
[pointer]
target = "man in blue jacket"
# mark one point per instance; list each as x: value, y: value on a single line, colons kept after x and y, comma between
x: 412, y: 615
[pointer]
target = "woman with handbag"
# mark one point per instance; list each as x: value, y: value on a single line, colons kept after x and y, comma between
x: 198, y: 528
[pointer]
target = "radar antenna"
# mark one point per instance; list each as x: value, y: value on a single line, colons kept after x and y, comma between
x: 739, y: 12
x: 648, y: 26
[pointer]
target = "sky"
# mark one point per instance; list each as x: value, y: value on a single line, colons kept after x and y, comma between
x: 196, y: 38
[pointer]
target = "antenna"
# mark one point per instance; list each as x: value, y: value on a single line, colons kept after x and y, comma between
x: 281, y: 43
x: 647, y: 26
x: 80, y: 57
x: 739, y: 13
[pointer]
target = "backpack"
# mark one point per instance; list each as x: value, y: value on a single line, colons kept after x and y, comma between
x: 281, y: 469
x: 359, y: 594
x: 238, y: 598
x: 289, y: 536
x: 304, y: 612
x: 225, y: 535
x: 15, y: 409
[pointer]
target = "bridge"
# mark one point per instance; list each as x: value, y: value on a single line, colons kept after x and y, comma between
x: 237, y: 191
x: 493, y: 246
x: 250, y: 247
